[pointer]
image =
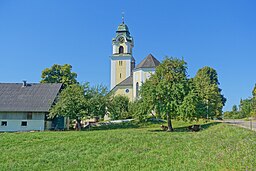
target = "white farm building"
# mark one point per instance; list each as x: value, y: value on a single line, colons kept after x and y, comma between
x: 24, y: 107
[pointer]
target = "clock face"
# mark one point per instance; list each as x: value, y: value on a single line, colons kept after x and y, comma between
x: 121, y: 39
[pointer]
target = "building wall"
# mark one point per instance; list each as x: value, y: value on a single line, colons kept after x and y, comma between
x: 136, y: 79
x: 121, y: 70
x: 117, y: 69
x: 124, y: 91
x: 140, y: 76
x: 14, y: 121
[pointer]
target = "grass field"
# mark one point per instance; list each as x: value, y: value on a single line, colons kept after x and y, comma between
x: 216, y: 147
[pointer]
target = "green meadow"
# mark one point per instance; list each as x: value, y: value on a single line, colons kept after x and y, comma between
x: 131, y: 147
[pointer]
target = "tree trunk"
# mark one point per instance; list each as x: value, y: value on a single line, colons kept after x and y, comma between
x: 169, y: 122
x: 78, y: 124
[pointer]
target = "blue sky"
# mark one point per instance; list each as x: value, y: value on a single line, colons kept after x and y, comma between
x: 221, y: 34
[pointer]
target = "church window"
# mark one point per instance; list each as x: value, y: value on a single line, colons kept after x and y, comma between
x: 120, y: 63
x: 127, y: 90
x: 137, y: 89
x: 120, y: 75
x: 121, y: 49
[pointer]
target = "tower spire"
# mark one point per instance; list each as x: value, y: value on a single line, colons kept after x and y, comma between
x: 123, y: 17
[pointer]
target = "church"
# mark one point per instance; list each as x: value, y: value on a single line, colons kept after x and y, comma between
x: 126, y: 77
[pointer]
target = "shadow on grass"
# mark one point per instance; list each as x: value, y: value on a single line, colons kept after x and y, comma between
x: 185, y: 128
x: 127, y: 125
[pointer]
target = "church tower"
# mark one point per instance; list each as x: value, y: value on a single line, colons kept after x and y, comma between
x: 122, y: 61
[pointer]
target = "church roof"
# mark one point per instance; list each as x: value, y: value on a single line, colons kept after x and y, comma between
x: 128, y: 81
x: 122, y: 28
x: 149, y: 62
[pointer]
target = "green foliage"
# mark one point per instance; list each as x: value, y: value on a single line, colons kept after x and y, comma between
x: 165, y: 90
x: 98, y: 100
x: 139, y: 110
x: 234, y: 114
x: 59, y: 74
x: 246, y: 109
x: 206, y: 84
x: 218, y: 147
x: 253, y: 112
x: 118, y: 107
x: 78, y: 101
x: 234, y: 108
x: 72, y: 102
x: 192, y: 107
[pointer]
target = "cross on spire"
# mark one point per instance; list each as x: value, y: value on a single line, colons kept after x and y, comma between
x: 123, y: 17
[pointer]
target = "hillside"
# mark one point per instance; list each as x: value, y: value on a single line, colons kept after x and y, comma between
x: 216, y: 147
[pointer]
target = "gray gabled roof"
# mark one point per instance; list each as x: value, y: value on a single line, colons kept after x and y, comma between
x: 149, y: 62
x: 36, y: 97
x: 128, y: 81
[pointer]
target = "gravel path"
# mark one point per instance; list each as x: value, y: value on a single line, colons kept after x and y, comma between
x: 245, y: 124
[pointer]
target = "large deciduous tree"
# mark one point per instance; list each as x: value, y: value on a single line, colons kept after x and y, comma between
x: 59, y: 74
x: 207, y: 85
x: 72, y: 102
x: 165, y: 90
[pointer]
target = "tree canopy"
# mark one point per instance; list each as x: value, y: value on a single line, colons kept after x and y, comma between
x: 98, y: 100
x: 59, y: 74
x: 72, y: 103
x: 207, y: 85
x: 119, y: 107
x: 165, y: 90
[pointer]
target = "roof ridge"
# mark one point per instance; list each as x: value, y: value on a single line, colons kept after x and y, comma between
x: 149, y: 62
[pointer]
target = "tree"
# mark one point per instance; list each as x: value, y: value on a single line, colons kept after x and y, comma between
x: 234, y: 108
x: 118, y: 107
x: 72, y: 103
x: 165, y: 90
x: 207, y: 85
x: 139, y: 109
x: 192, y: 107
x: 245, y: 107
x: 98, y: 100
x: 253, y: 112
x: 59, y: 74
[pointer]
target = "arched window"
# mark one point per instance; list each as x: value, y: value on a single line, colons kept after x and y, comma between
x: 137, y: 89
x: 121, y: 49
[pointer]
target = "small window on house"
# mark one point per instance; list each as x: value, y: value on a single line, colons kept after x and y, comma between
x: 120, y: 75
x: 29, y: 116
x: 24, y: 123
x: 4, y: 123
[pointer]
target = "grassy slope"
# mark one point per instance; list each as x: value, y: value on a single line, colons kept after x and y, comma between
x: 217, y: 147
